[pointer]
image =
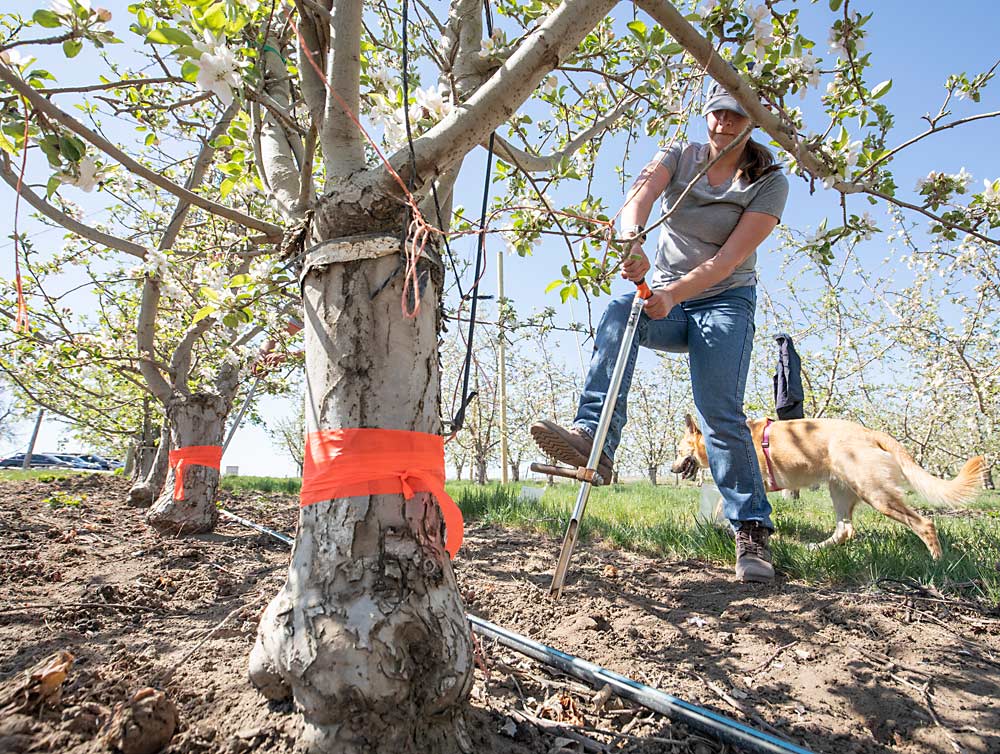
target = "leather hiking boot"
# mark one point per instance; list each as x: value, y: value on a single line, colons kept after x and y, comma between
x: 571, y: 446
x: 753, y: 556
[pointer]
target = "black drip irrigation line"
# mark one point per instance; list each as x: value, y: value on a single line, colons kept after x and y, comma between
x: 718, y: 726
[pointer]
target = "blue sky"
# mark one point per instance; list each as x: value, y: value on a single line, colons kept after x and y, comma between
x: 917, y: 44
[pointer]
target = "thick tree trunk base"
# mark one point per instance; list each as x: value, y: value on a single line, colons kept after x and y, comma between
x: 195, y: 419
x: 368, y: 633
x: 144, y: 491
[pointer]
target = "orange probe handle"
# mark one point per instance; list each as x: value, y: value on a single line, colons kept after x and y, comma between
x: 644, y: 291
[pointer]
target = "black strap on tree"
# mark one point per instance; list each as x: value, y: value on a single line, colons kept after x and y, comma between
x: 459, y: 420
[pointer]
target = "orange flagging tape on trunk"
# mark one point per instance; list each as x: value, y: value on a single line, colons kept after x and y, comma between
x: 197, y: 455
x: 355, y: 462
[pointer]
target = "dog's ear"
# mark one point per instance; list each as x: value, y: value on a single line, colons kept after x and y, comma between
x: 691, y: 424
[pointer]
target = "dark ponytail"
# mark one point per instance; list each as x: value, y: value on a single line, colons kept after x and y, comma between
x: 758, y: 161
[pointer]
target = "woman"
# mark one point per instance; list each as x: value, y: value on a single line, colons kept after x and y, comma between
x: 704, y: 296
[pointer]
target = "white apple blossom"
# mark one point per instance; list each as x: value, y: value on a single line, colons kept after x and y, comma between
x: 487, y: 47
x: 219, y: 70
x: 72, y: 209
x: 852, y: 154
x: 930, y: 179
x: 868, y: 222
x: 836, y: 42
x: 435, y: 100
x: 63, y: 7
x: 991, y: 192
x: 707, y: 7
x: 963, y: 178
x: 382, y: 76
x: 87, y: 175
x: 15, y: 59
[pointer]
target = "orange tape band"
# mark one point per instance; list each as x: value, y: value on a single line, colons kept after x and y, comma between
x: 197, y: 455
x: 357, y: 462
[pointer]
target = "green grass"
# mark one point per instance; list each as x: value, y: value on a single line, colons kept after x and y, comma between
x: 289, y: 485
x: 660, y: 521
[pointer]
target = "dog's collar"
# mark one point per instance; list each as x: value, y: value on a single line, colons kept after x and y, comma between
x: 765, y: 443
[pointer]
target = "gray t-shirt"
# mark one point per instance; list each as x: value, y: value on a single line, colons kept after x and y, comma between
x: 702, y: 223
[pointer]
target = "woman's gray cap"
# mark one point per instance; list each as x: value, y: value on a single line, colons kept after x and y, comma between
x: 717, y: 98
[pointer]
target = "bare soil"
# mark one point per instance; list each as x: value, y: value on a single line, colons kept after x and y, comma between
x: 833, y: 670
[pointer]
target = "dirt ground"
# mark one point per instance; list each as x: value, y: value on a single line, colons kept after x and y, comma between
x: 896, y: 670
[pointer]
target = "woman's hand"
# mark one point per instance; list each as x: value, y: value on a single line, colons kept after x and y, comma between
x: 636, y: 264
x: 659, y: 304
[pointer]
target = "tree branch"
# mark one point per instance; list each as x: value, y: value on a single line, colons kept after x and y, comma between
x: 146, y: 336
x: 313, y: 90
x: 201, y: 165
x: 276, y: 143
x: 339, y: 138
x: 933, y: 129
x: 472, y: 121
x: 273, y: 232
x: 540, y: 163
x: 60, y: 217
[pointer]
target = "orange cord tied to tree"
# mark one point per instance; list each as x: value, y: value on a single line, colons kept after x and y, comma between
x: 356, y: 462
x: 197, y: 455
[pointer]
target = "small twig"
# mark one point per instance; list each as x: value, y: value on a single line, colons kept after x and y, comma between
x: 745, y: 709
x: 164, y: 677
x: 763, y: 666
x: 928, y: 702
x: 563, y: 729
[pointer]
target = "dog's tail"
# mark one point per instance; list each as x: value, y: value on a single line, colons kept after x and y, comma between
x: 962, y: 489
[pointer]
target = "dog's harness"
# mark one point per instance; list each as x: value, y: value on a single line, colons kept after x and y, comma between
x: 765, y: 444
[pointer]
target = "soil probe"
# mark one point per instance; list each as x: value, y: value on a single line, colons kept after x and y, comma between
x: 587, y: 475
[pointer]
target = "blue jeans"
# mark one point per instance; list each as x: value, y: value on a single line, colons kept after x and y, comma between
x: 717, y: 334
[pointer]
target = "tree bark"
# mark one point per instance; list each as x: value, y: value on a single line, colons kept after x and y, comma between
x: 651, y: 470
x: 142, y: 493
x: 481, y: 477
x: 368, y: 632
x: 515, y: 471
x: 193, y: 419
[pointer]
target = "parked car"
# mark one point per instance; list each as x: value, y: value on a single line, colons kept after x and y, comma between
x: 75, y: 462
x: 38, y: 460
x: 102, y: 462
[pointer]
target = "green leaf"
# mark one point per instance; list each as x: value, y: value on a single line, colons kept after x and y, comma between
x: 835, y: 5
x: 6, y: 144
x: 672, y: 49
x: 46, y: 18
x: 638, y: 29
x: 189, y: 71
x: 52, y: 186
x: 165, y: 35
x: 226, y: 187
x: 553, y: 285
x: 215, y: 17
x: 209, y: 293
x: 205, y: 311
x: 72, y: 47
x: 70, y: 150
x: 239, y: 281
x: 881, y: 89
x: 150, y: 138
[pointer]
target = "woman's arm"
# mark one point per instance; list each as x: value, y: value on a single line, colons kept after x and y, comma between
x: 750, y: 231
x: 652, y: 182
